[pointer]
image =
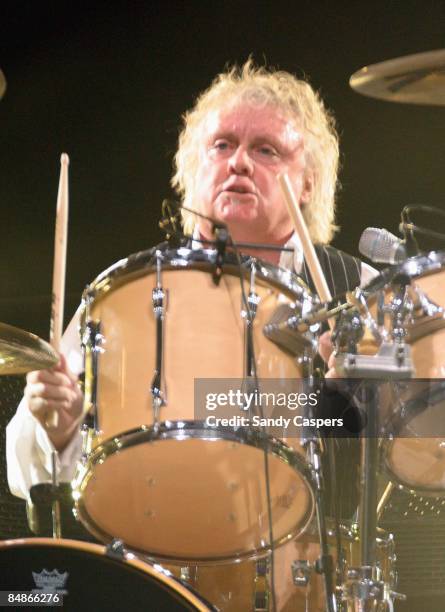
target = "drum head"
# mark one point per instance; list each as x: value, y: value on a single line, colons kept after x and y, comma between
x: 212, y: 508
x: 89, y: 579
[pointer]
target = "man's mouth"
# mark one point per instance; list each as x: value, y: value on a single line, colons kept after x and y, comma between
x: 238, y: 188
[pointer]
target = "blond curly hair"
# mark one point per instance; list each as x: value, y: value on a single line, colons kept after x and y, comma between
x: 294, y: 97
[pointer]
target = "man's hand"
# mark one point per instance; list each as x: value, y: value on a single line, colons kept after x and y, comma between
x: 326, y: 351
x: 55, y: 390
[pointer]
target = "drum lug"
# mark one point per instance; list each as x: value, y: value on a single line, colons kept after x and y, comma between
x: 92, y: 343
x: 185, y: 574
x: 261, y: 584
x: 301, y: 572
x: 115, y: 550
x: 423, y: 303
x: 87, y: 432
x: 253, y: 300
x: 159, y: 307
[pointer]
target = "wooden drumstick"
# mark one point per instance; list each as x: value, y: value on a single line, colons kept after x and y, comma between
x: 310, y: 255
x: 58, y: 292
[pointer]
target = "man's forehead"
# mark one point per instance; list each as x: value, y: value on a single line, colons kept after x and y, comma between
x: 264, y: 120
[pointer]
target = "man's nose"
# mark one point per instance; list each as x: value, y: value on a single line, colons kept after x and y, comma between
x: 240, y: 162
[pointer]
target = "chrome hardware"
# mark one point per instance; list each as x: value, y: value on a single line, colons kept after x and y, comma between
x: 92, y: 341
x: 392, y: 361
x: 261, y: 598
x: 301, y: 572
x: 87, y: 434
x: 158, y: 299
x: 365, y: 589
x: 306, y: 360
x: 115, y: 550
x: 253, y: 300
x: 348, y: 331
x: 289, y: 329
x: 400, y: 308
x: 359, y: 299
x: 423, y: 303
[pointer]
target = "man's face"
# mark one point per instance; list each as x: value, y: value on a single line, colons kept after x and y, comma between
x: 242, y: 150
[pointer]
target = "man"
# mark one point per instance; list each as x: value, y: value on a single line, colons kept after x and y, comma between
x: 251, y: 125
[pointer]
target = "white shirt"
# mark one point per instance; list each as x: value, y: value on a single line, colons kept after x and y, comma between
x: 28, y: 448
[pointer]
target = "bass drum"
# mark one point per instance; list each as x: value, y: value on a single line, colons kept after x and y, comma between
x: 180, y: 488
x: 413, y: 411
x: 240, y: 587
x: 89, y: 578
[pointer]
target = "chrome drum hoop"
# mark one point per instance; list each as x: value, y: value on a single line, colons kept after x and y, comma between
x: 120, y: 579
x: 413, y: 267
x: 190, y: 430
x: 140, y: 263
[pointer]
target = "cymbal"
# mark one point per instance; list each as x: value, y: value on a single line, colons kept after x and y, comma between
x: 21, y: 351
x: 412, y: 79
x: 2, y: 84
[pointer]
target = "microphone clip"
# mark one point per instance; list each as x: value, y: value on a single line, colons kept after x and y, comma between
x: 222, y: 237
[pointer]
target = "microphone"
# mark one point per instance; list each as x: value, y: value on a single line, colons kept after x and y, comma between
x: 380, y: 246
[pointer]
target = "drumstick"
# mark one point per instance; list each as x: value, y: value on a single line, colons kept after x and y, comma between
x: 58, y: 292
x: 308, y: 248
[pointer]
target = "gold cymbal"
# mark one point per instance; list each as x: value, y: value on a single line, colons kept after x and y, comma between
x: 21, y: 351
x: 2, y: 84
x: 412, y: 79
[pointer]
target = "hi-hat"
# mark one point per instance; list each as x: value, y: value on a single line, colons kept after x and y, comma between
x: 412, y: 79
x: 21, y: 351
x: 2, y: 84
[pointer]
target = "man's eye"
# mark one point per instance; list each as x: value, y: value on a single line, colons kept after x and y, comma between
x: 221, y: 145
x: 220, y: 148
x: 267, y: 151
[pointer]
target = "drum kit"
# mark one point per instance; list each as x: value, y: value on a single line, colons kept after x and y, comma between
x: 230, y: 511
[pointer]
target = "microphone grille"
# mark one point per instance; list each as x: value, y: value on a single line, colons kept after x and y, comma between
x: 378, y: 244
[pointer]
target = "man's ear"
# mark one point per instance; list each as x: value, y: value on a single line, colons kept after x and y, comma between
x: 308, y: 187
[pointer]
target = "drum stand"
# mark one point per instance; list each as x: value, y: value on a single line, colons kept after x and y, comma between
x: 364, y: 589
x: 44, y: 494
x: 324, y: 565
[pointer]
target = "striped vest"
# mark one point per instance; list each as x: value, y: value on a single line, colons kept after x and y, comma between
x: 342, y: 271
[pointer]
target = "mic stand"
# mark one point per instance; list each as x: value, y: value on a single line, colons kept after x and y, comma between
x: 411, y: 246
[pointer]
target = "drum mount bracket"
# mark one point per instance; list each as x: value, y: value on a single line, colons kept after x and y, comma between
x: 365, y: 585
x: 392, y: 361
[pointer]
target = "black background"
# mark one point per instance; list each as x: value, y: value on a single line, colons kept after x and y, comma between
x: 107, y: 82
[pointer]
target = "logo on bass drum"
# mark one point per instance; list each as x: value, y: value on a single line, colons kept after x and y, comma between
x: 50, y: 582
